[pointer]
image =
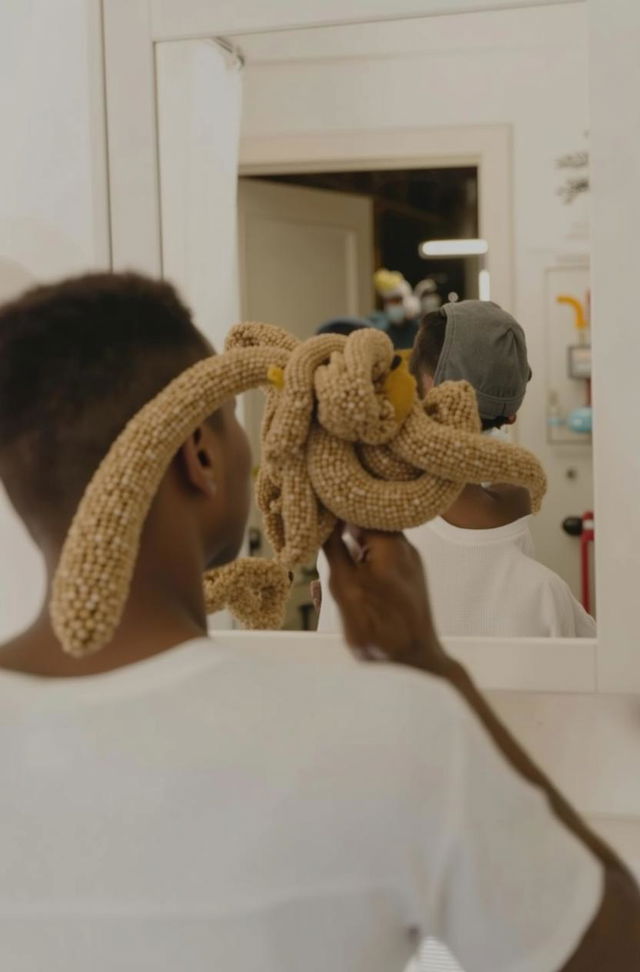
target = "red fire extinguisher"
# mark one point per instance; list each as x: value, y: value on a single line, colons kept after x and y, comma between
x: 583, y: 527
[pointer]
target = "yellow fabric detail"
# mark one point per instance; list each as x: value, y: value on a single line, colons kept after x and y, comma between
x: 387, y: 281
x: 275, y: 376
x: 400, y: 388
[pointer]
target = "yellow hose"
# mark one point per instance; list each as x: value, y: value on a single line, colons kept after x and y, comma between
x: 580, y: 318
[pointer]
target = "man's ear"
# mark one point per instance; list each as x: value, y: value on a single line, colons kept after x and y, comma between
x: 199, y: 456
x: 510, y: 419
x: 425, y: 382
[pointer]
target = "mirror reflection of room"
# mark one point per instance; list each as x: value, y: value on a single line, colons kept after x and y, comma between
x: 401, y: 246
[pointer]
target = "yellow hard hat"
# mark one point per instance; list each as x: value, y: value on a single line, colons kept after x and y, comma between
x: 390, y: 283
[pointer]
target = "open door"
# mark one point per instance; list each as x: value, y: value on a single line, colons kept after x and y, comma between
x: 306, y: 255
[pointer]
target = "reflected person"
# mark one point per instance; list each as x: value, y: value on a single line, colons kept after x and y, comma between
x: 483, y: 575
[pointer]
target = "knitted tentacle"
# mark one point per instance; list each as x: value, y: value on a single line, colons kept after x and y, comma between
x: 466, y: 457
x: 96, y: 565
x: 269, y: 500
x: 381, y: 463
x: 347, y: 379
x: 288, y: 429
x: 357, y: 497
x: 454, y: 404
x: 459, y: 410
x: 292, y: 516
x: 253, y: 334
x: 299, y: 513
x: 254, y: 590
x: 352, y: 403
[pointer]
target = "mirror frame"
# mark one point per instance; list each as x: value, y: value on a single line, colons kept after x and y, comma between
x: 133, y: 28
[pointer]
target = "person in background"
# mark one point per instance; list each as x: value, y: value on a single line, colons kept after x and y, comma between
x: 483, y: 575
x: 344, y: 326
x: 400, y: 309
x: 427, y: 293
x: 174, y: 803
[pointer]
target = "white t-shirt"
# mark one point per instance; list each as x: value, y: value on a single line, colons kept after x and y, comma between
x: 263, y: 810
x: 485, y: 582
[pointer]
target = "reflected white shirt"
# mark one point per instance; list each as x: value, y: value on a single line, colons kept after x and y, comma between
x: 484, y: 583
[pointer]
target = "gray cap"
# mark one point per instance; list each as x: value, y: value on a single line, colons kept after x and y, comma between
x: 486, y: 347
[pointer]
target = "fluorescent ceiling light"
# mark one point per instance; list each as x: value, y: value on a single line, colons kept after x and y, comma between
x: 484, y: 285
x: 444, y: 248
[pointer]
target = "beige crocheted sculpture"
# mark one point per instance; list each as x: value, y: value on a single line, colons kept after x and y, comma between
x: 344, y: 437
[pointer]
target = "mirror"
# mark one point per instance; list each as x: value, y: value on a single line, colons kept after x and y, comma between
x: 349, y: 164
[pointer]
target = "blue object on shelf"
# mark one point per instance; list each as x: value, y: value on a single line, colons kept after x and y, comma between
x: 581, y: 419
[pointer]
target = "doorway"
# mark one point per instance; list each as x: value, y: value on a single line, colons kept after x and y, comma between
x: 313, y: 241
x: 409, y: 207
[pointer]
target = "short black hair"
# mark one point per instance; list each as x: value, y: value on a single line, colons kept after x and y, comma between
x: 426, y: 352
x: 428, y: 344
x: 77, y: 360
x: 341, y: 325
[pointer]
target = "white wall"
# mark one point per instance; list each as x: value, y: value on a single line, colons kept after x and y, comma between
x: 526, y: 68
x: 52, y: 193
x: 199, y: 90
x: 615, y: 40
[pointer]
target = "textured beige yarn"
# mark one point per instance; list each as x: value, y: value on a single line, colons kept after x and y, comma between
x: 253, y: 590
x: 344, y: 437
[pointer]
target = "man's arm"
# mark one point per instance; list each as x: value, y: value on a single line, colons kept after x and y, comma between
x: 384, y: 606
x: 612, y: 941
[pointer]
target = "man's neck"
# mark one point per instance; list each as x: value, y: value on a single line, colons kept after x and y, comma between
x: 164, y: 609
x: 485, y: 508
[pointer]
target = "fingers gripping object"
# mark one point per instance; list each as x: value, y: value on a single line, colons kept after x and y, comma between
x: 344, y: 437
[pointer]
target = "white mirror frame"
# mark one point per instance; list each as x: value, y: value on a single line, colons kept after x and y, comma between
x: 132, y: 28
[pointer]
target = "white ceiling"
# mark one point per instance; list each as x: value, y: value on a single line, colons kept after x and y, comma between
x: 561, y: 26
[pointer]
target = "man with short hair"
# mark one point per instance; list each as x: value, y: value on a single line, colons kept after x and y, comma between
x: 170, y: 803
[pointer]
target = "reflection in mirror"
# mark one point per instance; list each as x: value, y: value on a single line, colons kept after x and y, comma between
x: 400, y: 245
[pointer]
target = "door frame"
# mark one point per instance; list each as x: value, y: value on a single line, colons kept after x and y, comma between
x: 489, y: 147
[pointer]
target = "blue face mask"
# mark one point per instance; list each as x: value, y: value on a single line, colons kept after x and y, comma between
x: 395, y: 313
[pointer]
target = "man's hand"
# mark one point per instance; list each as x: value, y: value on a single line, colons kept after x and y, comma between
x: 381, y: 592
